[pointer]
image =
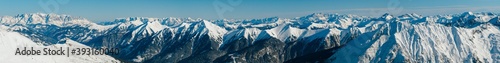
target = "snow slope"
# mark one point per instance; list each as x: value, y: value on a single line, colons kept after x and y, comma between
x: 461, y: 39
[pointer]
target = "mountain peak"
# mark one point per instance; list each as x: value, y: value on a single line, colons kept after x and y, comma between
x: 46, y: 15
x: 317, y: 15
x: 468, y: 13
x: 142, y: 19
x: 213, y: 29
x: 386, y: 16
x: 413, y: 16
x: 45, y: 19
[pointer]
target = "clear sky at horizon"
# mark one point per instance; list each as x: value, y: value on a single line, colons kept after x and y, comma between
x: 108, y: 10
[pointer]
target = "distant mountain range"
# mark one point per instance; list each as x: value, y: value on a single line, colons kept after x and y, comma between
x: 318, y: 37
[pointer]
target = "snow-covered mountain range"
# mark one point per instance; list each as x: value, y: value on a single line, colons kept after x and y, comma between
x: 318, y: 37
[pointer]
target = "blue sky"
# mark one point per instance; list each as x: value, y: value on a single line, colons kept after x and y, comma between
x: 108, y: 10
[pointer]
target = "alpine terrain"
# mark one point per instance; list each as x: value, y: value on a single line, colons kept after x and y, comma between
x: 318, y: 37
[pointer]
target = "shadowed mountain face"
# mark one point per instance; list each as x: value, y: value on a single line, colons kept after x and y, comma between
x: 466, y: 37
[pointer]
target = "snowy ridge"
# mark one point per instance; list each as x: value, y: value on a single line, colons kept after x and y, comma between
x: 214, y: 31
x: 285, y: 33
x: 149, y: 28
x: 315, y: 34
x: 50, y: 19
x: 250, y: 34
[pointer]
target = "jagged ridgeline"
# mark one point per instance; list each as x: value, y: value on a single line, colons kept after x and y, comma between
x: 466, y: 37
